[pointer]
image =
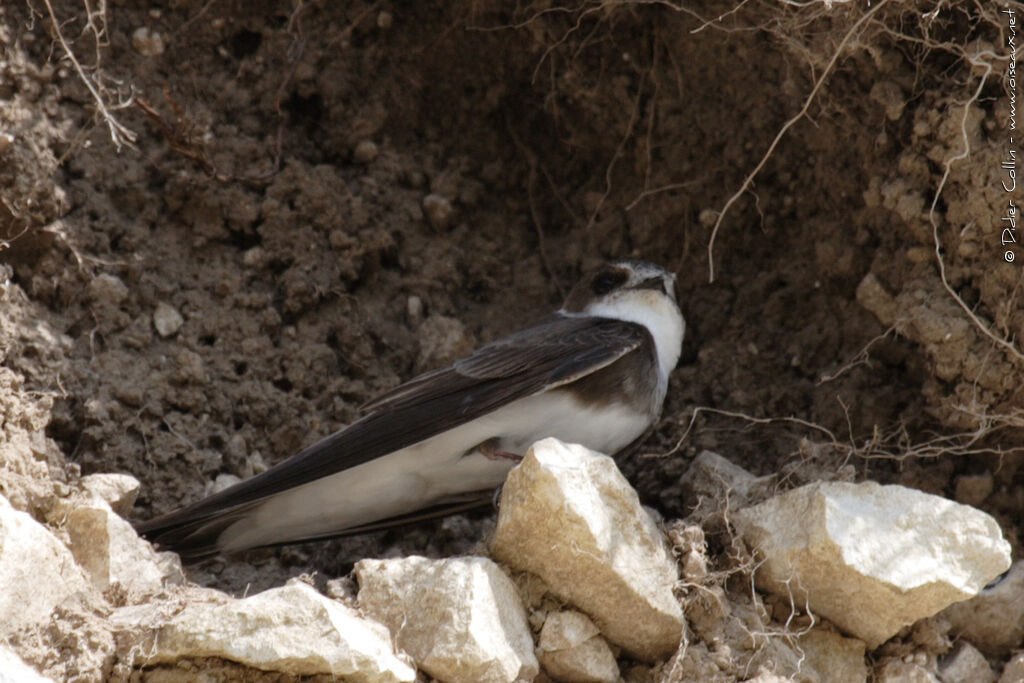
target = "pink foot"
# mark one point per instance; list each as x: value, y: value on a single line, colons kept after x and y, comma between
x: 490, y: 450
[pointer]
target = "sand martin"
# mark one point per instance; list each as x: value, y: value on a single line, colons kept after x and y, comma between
x: 595, y: 373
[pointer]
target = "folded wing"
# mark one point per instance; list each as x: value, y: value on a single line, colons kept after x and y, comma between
x: 553, y: 353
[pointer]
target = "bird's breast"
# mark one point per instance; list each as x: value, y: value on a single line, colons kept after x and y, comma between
x: 606, y: 427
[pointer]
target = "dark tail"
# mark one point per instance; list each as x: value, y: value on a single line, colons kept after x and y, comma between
x: 196, y: 536
x: 193, y: 535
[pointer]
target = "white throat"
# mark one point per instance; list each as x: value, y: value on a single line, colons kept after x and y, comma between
x: 652, y: 309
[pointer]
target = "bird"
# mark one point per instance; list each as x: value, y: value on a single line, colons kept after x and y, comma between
x: 595, y: 372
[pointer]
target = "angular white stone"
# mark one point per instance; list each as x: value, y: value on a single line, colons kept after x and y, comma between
x: 899, y: 671
x: 117, y: 490
x: 461, y: 619
x: 993, y: 619
x: 107, y: 548
x: 37, y: 572
x: 14, y: 670
x: 572, y: 650
x: 872, y: 558
x: 570, y: 517
x: 1013, y: 672
x: 766, y: 676
x: 966, y: 665
x: 292, y: 630
x: 711, y: 483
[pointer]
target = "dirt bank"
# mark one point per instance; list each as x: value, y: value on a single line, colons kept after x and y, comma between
x: 272, y: 212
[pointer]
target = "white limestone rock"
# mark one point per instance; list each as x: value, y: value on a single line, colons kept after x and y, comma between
x: 570, y: 517
x: 107, y: 548
x: 1013, y: 672
x: 119, y: 491
x: 900, y: 671
x: 993, y: 619
x: 872, y: 558
x: 966, y: 665
x: 292, y: 630
x: 14, y: 670
x: 768, y: 676
x: 37, y: 572
x: 571, y: 649
x: 711, y: 481
x: 461, y: 618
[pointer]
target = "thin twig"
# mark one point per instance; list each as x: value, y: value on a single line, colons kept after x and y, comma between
x: 538, y: 226
x: 785, y: 128
x: 618, y: 153
x: 860, y: 359
x: 194, y: 18
x: 658, y: 190
x: 121, y: 135
x: 975, y: 60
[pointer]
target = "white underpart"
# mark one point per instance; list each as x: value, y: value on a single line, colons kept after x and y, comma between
x: 417, y: 476
x: 655, y: 311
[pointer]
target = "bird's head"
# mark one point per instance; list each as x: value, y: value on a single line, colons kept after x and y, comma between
x: 636, y: 292
x: 621, y: 282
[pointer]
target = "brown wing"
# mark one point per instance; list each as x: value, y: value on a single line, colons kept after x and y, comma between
x: 554, y: 352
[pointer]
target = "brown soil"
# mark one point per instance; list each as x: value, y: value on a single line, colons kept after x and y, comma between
x: 253, y: 204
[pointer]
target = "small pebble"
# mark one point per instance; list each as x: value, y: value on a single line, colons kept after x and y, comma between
x: 6, y: 140
x: 256, y: 464
x: 148, y: 43
x: 365, y: 152
x: 416, y: 179
x: 166, y: 319
x: 222, y: 482
x: 253, y: 257
x: 384, y: 20
x: 108, y: 289
x: 414, y: 307
x: 973, y: 489
x: 1013, y: 672
x: 45, y: 74
x: 236, y: 446
x: 339, y: 239
x: 438, y: 210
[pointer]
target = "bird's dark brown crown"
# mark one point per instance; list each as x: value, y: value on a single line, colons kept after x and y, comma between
x: 614, y: 275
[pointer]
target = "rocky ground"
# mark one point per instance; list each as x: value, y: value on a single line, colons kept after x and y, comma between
x: 224, y: 226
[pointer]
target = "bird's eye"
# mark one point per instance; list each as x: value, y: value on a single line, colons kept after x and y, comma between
x: 606, y: 282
